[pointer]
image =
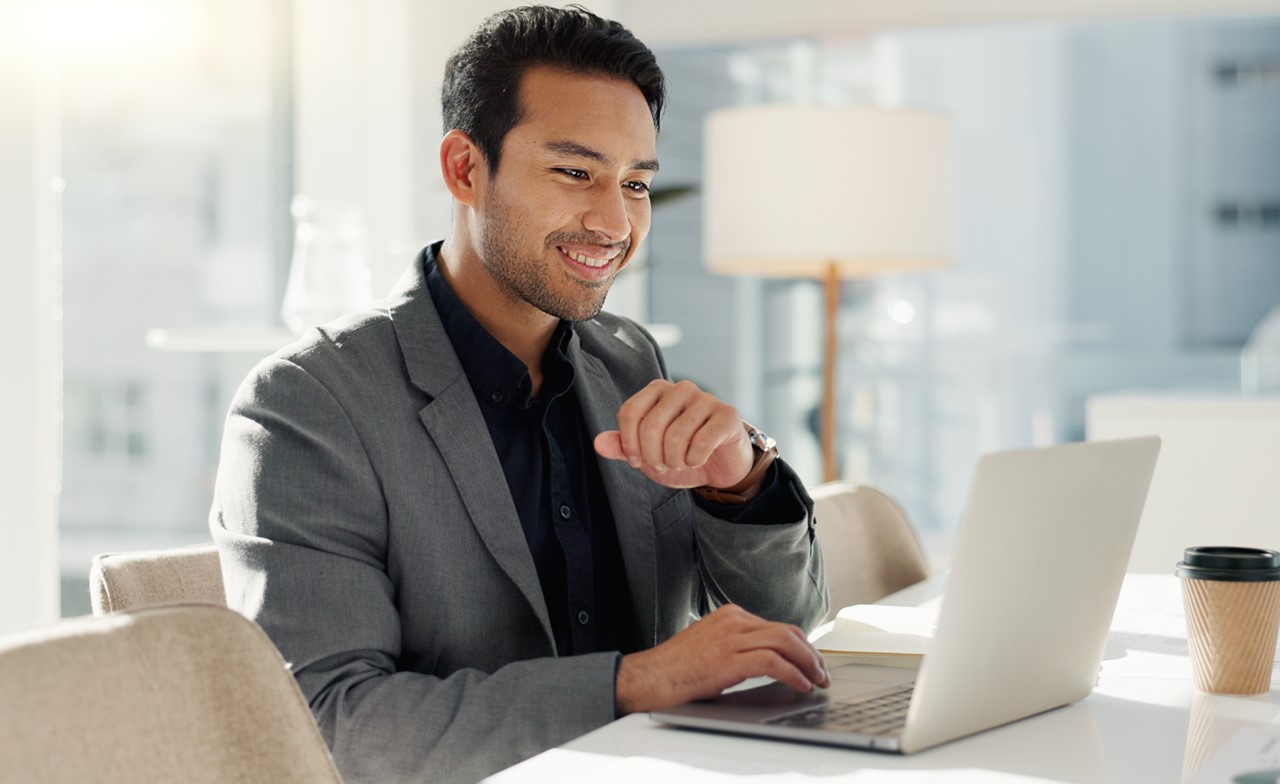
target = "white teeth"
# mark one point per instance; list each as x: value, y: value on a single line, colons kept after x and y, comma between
x: 588, y: 260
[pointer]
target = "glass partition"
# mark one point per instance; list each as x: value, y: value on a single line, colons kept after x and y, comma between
x: 1118, y: 228
x: 175, y: 154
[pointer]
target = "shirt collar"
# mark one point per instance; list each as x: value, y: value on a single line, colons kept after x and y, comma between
x: 497, y: 376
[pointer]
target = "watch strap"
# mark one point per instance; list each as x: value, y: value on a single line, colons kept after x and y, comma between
x: 747, y: 488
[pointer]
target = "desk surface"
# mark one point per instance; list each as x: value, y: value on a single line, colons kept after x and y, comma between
x: 1143, y: 723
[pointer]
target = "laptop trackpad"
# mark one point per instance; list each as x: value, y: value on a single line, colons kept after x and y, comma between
x: 763, y: 702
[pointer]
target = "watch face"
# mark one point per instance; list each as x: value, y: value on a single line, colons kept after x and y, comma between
x: 761, y: 441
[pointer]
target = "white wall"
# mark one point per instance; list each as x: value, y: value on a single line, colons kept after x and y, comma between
x: 353, y: 139
x: 679, y: 22
x: 28, y: 431
x: 1214, y: 482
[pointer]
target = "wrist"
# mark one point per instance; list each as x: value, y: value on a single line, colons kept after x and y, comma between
x: 765, y: 452
x: 631, y: 685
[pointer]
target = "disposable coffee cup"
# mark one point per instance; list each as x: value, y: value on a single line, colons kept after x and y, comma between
x: 1232, y: 601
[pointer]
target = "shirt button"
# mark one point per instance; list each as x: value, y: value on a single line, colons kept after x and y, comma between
x: 565, y: 511
x: 583, y: 617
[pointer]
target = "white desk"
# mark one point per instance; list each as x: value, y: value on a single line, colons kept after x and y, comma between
x: 1142, y: 723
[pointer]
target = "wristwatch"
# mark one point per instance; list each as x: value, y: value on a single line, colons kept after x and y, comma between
x: 766, y: 451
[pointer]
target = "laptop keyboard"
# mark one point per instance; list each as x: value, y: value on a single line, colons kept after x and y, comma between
x: 883, y: 715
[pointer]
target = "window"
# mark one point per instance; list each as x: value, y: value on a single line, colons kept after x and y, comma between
x: 176, y: 158
x: 1116, y: 184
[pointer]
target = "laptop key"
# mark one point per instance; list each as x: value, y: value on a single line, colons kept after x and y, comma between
x: 881, y: 715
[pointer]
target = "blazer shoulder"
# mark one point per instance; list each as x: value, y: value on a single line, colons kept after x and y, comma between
x: 356, y: 336
x: 615, y: 338
x: 344, y: 356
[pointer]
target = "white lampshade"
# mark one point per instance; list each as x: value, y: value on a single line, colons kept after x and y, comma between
x: 791, y: 191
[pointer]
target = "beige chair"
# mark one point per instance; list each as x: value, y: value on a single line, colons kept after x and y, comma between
x: 190, y: 693
x: 868, y: 545
x: 153, y: 578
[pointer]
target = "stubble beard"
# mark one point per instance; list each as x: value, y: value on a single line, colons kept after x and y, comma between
x: 527, y: 278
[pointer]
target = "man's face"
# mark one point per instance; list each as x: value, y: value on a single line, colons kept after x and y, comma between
x: 569, y: 204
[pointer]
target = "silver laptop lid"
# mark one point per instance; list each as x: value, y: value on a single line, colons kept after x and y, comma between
x: 1034, y: 580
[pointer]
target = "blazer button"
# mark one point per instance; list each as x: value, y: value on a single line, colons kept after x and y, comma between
x: 583, y: 617
x: 565, y: 512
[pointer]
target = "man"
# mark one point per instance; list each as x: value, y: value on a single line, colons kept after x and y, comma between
x: 477, y: 519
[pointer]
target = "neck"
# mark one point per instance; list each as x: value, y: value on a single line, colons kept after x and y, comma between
x: 521, y: 328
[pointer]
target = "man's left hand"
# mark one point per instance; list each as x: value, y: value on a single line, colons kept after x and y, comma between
x: 679, y: 436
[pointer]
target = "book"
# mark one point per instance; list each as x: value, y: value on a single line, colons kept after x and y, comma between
x: 879, y: 634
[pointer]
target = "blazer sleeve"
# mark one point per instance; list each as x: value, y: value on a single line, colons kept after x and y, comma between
x: 301, y: 524
x: 775, y: 571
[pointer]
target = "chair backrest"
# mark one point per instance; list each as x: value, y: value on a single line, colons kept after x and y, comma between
x: 190, y: 693
x: 868, y: 545
x: 154, y: 578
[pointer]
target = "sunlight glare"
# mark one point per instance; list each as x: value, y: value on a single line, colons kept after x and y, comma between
x: 86, y: 30
x: 902, y: 312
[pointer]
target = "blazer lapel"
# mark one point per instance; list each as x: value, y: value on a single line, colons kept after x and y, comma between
x: 626, y: 489
x: 456, y: 426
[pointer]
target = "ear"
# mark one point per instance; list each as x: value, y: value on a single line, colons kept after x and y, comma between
x: 462, y: 166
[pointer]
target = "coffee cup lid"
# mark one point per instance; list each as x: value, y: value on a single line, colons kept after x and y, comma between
x: 1232, y: 564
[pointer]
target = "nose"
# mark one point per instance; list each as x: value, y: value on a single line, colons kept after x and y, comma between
x: 607, y: 214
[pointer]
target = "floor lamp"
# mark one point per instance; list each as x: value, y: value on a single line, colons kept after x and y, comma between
x: 826, y: 193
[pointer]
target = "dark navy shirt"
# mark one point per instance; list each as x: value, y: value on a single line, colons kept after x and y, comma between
x: 551, y: 469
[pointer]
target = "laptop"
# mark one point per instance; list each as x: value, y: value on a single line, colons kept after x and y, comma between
x: 1033, y: 584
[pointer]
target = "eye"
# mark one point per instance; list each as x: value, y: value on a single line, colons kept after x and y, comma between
x: 577, y: 174
x: 639, y: 187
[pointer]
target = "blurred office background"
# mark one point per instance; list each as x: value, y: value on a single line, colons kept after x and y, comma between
x: 1117, y: 199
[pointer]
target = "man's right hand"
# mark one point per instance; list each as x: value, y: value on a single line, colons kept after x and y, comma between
x: 721, y: 650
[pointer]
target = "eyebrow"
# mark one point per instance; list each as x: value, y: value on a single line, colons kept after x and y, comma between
x: 573, y: 148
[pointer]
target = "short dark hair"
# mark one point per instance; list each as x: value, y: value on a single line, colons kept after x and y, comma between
x: 482, y: 78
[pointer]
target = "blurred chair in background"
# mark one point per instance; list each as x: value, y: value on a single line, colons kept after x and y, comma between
x: 191, y: 693
x: 154, y: 578
x: 868, y: 545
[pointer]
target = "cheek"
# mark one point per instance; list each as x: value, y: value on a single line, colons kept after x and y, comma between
x: 557, y: 209
x: 640, y: 216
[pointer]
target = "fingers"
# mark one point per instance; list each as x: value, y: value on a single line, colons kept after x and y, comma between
x: 701, y: 430
x: 770, y: 664
x: 609, y: 445
x: 674, y: 426
x: 794, y: 661
x: 630, y: 416
x: 651, y: 430
x: 790, y: 658
x: 669, y: 428
x: 645, y: 419
x: 721, y: 650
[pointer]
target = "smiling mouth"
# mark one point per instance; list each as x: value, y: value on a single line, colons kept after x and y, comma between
x: 595, y: 262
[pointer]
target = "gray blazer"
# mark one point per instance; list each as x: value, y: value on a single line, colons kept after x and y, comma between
x: 365, y: 523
